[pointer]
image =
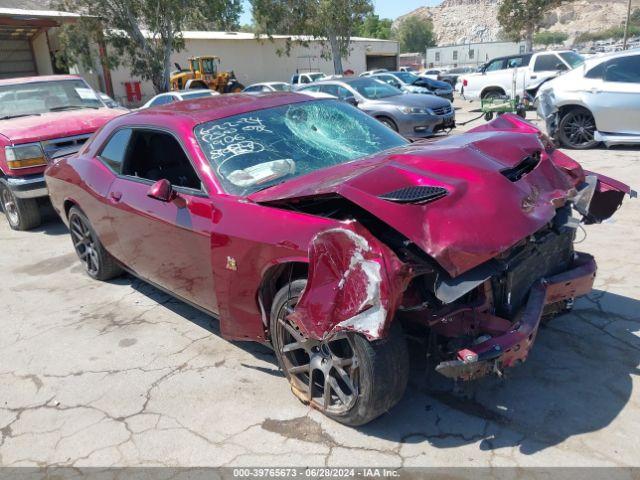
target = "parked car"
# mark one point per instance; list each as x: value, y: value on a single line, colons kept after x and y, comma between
x: 362, y: 235
x: 433, y: 73
x: 412, y: 115
x: 300, y: 79
x: 451, y: 76
x: 529, y: 71
x: 179, y: 96
x: 268, y: 87
x: 596, y: 102
x: 408, y: 69
x: 407, y: 79
x: 368, y: 73
x: 397, y: 82
x: 39, y: 116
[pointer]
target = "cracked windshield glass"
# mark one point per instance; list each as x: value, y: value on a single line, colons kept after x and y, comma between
x: 257, y: 150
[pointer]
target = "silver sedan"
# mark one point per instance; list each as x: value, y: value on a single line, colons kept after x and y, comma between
x: 412, y: 115
x: 598, y: 101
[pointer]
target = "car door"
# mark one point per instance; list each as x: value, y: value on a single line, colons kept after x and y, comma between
x: 166, y: 243
x: 614, y: 99
x: 545, y: 65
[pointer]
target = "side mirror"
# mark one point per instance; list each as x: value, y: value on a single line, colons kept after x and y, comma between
x: 560, y: 66
x: 161, y: 190
x: 351, y: 100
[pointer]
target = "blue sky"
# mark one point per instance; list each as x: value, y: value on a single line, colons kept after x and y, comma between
x: 384, y: 8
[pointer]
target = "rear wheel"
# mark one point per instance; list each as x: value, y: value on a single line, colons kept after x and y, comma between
x: 21, y: 213
x: 493, y: 94
x: 348, y: 378
x: 577, y: 129
x: 97, y: 262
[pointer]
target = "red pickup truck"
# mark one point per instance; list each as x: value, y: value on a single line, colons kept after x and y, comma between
x: 39, y: 118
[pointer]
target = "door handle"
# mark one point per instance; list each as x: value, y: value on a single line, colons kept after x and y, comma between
x: 533, y: 77
x: 596, y: 90
x: 115, y: 196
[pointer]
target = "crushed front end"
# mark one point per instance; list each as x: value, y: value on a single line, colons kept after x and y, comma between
x: 493, y: 325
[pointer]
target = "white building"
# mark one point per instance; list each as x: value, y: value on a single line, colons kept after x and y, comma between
x: 470, y: 54
x: 253, y: 60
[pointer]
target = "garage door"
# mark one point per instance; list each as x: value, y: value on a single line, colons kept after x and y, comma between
x: 16, y: 59
x: 390, y: 62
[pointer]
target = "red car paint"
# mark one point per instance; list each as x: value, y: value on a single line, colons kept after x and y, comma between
x: 223, y: 252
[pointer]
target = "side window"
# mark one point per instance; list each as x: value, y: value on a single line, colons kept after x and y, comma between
x: 304, y: 79
x: 623, y: 69
x: 514, y: 62
x: 344, y: 93
x: 294, y: 79
x: 495, y: 65
x: 163, y: 100
x: 251, y: 89
x: 115, y: 150
x: 597, y: 71
x: 314, y: 88
x: 330, y: 89
x: 155, y: 155
x: 546, y: 63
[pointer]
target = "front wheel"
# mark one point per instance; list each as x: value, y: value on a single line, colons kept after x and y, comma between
x: 21, y: 213
x: 348, y: 378
x: 388, y: 123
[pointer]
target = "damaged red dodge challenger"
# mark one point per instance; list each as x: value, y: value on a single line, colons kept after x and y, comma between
x: 307, y: 224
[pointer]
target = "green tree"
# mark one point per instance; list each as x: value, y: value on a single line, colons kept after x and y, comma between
x: 415, y: 34
x: 375, y: 27
x: 521, y: 19
x: 142, y: 32
x: 550, y: 38
x: 332, y: 22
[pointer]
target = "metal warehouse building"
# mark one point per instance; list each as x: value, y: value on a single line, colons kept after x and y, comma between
x: 470, y: 54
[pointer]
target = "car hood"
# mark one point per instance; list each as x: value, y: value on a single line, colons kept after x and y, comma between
x: 56, y: 124
x: 483, y: 212
x: 424, y: 81
x: 417, y: 100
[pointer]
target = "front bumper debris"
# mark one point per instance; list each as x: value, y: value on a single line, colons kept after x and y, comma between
x: 31, y: 186
x: 512, y: 348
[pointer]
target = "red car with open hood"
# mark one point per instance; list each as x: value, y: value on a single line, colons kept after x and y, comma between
x: 39, y: 117
x: 307, y: 224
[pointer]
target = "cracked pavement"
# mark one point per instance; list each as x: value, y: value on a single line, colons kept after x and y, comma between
x: 120, y: 374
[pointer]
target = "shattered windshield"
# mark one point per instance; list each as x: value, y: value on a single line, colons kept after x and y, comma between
x: 41, y: 97
x: 259, y: 149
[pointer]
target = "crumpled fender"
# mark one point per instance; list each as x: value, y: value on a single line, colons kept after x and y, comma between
x: 355, y: 283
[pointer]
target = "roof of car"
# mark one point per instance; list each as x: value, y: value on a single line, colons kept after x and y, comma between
x: 206, y: 109
x: 41, y: 78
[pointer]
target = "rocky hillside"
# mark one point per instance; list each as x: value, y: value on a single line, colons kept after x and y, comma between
x: 463, y: 21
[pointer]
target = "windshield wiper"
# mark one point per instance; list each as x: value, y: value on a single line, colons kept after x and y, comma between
x: 264, y: 187
x: 71, y: 107
x: 7, y: 117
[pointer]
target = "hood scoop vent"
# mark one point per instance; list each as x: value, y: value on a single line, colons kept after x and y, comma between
x: 414, y: 194
x: 521, y: 169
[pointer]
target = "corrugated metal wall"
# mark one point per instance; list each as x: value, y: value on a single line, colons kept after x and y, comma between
x: 16, y: 58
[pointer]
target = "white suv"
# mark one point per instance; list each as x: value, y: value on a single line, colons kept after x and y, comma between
x: 597, y: 102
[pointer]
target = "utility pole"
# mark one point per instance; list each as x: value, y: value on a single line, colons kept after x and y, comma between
x: 626, y: 27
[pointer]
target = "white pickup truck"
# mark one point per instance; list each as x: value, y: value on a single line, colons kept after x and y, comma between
x: 526, y: 72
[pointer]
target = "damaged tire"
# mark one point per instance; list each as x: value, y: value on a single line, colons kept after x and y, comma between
x: 348, y: 378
